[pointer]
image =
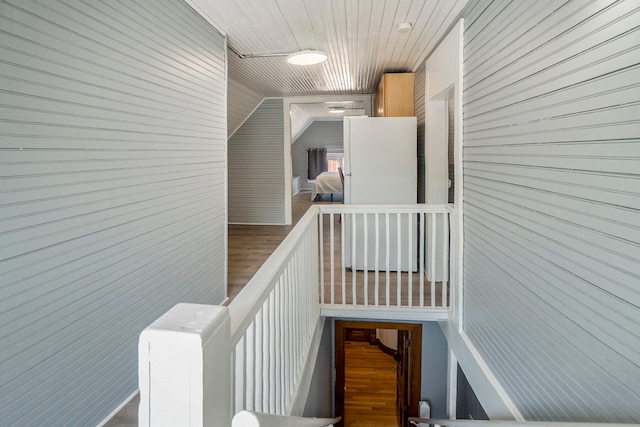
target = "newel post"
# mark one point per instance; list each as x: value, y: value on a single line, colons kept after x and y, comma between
x: 184, y: 368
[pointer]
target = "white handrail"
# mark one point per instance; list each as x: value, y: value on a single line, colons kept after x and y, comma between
x: 386, y: 257
x: 491, y: 423
x: 259, y: 419
x: 247, y: 303
x: 275, y: 323
x: 264, y: 343
x: 417, y: 208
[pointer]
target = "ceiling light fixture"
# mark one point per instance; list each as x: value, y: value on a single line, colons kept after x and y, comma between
x: 404, y: 27
x: 307, y: 57
x: 336, y: 110
x: 303, y: 57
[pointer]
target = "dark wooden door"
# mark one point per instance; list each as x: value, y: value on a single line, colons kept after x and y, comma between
x: 402, y: 372
x: 411, y: 362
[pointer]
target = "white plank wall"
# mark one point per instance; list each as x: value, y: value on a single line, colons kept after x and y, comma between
x: 112, y: 189
x: 241, y: 102
x: 552, y: 204
x: 256, y: 167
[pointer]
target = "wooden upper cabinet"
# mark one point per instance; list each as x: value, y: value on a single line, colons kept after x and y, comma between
x: 395, y: 96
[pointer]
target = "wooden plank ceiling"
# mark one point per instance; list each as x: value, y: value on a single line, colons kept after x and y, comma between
x: 360, y: 37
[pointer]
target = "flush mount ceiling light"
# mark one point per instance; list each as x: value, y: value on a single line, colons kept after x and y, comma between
x: 337, y: 110
x: 307, y: 57
x: 404, y: 27
x: 303, y: 57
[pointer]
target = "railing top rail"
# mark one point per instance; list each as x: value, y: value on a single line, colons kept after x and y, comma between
x: 261, y: 419
x: 244, y: 307
x: 491, y: 423
x: 416, y: 208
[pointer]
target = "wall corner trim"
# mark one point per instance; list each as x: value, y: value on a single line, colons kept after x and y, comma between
x: 494, y: 399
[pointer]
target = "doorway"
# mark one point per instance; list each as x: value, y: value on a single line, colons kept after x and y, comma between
x: 405, y: 362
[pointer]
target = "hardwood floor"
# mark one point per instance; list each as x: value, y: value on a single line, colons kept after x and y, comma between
x: 251, y: 245
x: 370, y: 386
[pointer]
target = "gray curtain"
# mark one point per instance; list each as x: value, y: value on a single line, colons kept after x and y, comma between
x: 317, y: 158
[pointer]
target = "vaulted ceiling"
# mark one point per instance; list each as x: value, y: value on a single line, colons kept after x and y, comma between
x: 360, y: 37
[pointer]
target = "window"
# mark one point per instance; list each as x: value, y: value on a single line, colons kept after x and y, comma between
x: 335, y: 161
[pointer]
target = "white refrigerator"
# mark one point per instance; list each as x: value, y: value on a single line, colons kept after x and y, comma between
x: 380, y: 168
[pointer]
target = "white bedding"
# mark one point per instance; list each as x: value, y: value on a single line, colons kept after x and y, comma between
x: 327, y: 183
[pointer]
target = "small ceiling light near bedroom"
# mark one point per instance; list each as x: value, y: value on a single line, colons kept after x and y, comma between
x: 307, y: 57
x: 404, y: 27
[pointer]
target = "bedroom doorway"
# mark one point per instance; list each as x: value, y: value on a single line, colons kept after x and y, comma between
x: 311, y: 122
x: 394, y: 380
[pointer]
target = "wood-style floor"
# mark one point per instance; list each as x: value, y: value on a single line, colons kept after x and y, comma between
x: 251, y: 245
x: 370, y: 386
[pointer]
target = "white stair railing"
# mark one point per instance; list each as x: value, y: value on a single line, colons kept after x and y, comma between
x: 199, y: 364
x: 491, y: 423
x: 385, y: 256
x: 184, y: 368
x: 257, y: 419
x: 274, y: 320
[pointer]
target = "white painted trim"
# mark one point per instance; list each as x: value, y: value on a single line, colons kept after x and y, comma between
x: 443, y: 72
x: 249, y: 301
x: 288, y: 164
x: 256, y: 223
x: 262, y: 419
x: 303, y: 385
x: 350, y: 312
x: 182, y: 380
x: 459, y: 181
x: 487, y: 423
x: 452, y: 386
x: 492, y: 396
x: 491, y: 377
x: 226, y: 173
x: 417, y: 208
x: 118, y: 409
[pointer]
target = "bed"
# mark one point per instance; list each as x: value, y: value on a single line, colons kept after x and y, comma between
x: 327, y: 183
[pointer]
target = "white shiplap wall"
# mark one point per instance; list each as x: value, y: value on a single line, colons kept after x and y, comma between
x: 552, y: 204
x: 300, y: 121
x: 256, y: 167
x: 112, y: 194
x: 319, y: 134
x: 241, y: 102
